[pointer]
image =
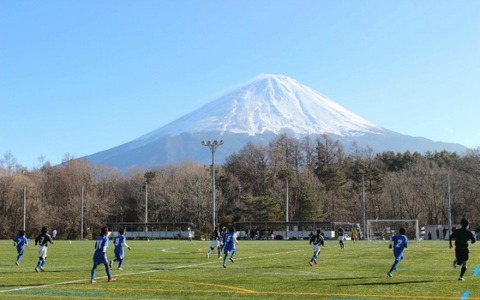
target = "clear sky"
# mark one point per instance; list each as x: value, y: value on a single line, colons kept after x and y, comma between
x: 79, y: 77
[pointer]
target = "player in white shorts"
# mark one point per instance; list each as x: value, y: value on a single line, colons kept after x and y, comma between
x: 42, y: 241
x: 215, y: 242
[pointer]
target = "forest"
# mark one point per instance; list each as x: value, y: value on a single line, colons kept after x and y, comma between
x: 325, y: 183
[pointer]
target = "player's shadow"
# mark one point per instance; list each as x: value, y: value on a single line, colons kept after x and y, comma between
x: 52, y: 271
x: 336, y: 279
x: 387, y: 283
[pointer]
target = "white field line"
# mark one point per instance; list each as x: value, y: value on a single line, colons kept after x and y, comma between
x: 143, y: 272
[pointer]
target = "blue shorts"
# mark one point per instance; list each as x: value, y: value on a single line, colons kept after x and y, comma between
x: 398, y: 255
x: 99, y: 258
x: 119, y: 253
x: 227, y: 249
x: 20, y: 250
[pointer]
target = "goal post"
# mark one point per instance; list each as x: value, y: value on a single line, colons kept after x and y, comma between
x: 382, y: 229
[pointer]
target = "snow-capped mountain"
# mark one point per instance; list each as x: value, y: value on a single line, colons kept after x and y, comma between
x: 270, y: 103
x: 267, y: 106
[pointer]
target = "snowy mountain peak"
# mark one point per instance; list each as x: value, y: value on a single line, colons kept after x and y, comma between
x: 270, y: 103
x: 255, y: 113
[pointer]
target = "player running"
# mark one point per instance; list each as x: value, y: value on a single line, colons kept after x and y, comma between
x: 461, y: 237
x: 229, y: 248
x: 223, y: 235
x: 42, y: 241
x: 120, y: 242
x: 215, y: 242
x: 400, y: 242
x: 317, y: 240
x: 20, y: 241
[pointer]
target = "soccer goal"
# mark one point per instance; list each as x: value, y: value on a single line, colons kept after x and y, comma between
x: 378, y: 229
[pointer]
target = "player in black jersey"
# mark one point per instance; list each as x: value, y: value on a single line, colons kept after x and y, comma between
x: 461, y: 237
x: 223, y: 235
x: 341, y: 237
x: 317, y: 240
x: 215, y: 242
x: 42, y: 241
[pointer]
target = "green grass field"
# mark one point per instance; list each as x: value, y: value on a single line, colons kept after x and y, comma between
x: 168, y: 269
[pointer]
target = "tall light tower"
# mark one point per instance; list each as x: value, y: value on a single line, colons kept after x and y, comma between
x: 146, y: 205
x: 24, y: 208
x: 449, y: 217
x: 213, y: 147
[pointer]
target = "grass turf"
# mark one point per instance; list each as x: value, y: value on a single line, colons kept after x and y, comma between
x: 172, y: 269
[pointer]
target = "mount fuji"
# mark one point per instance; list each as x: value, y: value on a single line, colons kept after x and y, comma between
x: 267, y: 106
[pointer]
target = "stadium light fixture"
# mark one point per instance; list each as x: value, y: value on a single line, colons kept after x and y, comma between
x: 213, y: 147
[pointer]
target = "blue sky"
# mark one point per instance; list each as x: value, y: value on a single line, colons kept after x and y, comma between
x: 79, y: 77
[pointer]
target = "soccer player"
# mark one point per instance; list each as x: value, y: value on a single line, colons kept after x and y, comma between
x: 223, y: 235
x: 229, y: 248
x: 190, y: 234
x: 100, y: 256
x: 120, y: 242
x: 398, y: 242
x: 354, y: 234
x: 317, y: 240
x: 215, y: 242
x: 42, y: 241
x: 341, y: 237
x: 461, y: 237
x: 20, y: 241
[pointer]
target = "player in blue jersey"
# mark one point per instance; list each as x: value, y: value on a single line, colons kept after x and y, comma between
x: 42, y: 241
x: 120, y: 242
x: 317, y: 240
x: 398, y: 242
x: 461, y: 237
x: 20, y: 241
x: 215, y: 243
x: 229, y: 247
x: 100, y: 256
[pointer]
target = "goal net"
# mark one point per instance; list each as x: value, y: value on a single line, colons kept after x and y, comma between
x: 383, y: 229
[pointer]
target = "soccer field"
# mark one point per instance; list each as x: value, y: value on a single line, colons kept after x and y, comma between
x: 171, y: 269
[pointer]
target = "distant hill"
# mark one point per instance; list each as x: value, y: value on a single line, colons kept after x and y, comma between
x: 257, y: 112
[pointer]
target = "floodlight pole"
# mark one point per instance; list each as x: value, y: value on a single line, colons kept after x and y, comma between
x: 146, y: 206
x: 286, y: 205
x: 213, y: 147
x: 363, y: 209
x: 24, y: 207
x: 81, y: 214
x: 449, y: 207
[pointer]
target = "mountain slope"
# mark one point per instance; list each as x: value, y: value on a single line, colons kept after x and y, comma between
x: 257, y: 112
x: 270, y: 103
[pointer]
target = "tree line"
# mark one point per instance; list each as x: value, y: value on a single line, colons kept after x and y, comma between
x: 325, y: 183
